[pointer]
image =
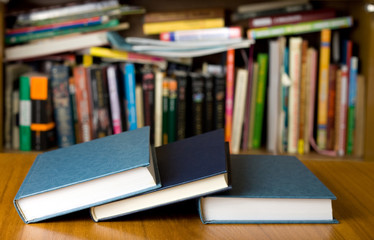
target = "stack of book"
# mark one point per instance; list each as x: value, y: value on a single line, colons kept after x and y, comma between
x: 123, y: 174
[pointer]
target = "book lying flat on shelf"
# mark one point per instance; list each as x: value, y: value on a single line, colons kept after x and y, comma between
x: 269, y: 189
x: 189, y: 168
x: 88, y: 174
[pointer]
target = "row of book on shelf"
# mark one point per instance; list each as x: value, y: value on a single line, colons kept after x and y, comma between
x: 276, y: 93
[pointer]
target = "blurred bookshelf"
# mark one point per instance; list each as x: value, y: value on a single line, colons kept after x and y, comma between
x: 361, y: 34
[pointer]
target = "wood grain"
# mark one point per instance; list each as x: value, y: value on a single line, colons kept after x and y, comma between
x: 351, y: 181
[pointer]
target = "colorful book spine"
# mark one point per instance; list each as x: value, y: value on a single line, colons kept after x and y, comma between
x: 330, y: 138
x: 323, y: 82
x: 352, y: 95
x: 342, y: 105
x: 202, y: 34
x: 230, y: 68
x: 160, y: 27
x: 158, y: 108
x: 238, y: 113
x: 115, y: 108
x: 172, y: 113
x: 83, y: 98
x: 129, y: 80
x: 165, y: 109
x: 285, y: 99
x: 62, y: 106
x: 25, y: 114
x: 294, y: 94
x: 299, y: 28
x: 262, y: 60
x: 302, y: 97
x: 291, y: 18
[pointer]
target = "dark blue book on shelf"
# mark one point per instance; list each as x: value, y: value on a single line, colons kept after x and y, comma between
x: 88, y: 174
x: 189, y: 168
x: 62, y: 106
x: 269, y: 189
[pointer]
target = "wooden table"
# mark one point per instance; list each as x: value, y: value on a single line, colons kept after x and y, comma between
x: 352, y: 182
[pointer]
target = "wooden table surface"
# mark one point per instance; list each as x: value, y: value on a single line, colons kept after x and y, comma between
x: 352, y: 182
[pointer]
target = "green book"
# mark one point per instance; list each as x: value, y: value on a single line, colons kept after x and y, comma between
x: 20, y: 38
x: 25, y: 114
x: 299, y: 28
x: 172, y: 113
x: 352, y: 95
x: 262, y: 60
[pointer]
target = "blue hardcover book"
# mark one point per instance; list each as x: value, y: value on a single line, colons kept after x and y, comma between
x: 189, y: 168
x: 62, y: 106
x: 269, y: 189
x: 88, y: 174
x: 129, y: 78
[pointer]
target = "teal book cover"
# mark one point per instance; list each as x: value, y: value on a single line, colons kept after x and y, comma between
x: 269, y: 189
x: 88, y: 174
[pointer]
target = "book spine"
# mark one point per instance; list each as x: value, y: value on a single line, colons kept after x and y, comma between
x: 148, y: 83
x: 139, y: 105
x: 83, y: 96
x: 352, y: 95
x: 291, y: 18
x: 294, y: 94
x: 172, y: 113
x: 129, y: 79
x: 311, y: 85
x: 302, y: 97
x: 238, y: 113
x: 94, y: 101
x: 253, y: 105
x: 16, y: 119
x: 158, y: 108
x: 323, y: 87
x: 230, y: 63
x: 73, y: 100
x: 285, y: 100
x: 115, y: 108
x: 62, y: 106
x: 202, y: 34
x: 160, y: 27
x: 359, y: 135
x: 331, y: 108
x: 25, y: 114
x: 208, y: 104
x: 219, y: 101
x: 198, y: 99
x: 262, y: 60
x: 181, y: 105
x: 340, y: 146
x: 299, y: 28
x: 165, y: 109
x: 184, y: 15
x: 104, y: 126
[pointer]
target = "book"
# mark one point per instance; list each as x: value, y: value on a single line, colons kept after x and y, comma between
x: 352, y: 96
x: 302, y: 98
x: 253, y: 106
x: 208, y: 103
x: 296, y: 7
x: 148, y: 86
x: 269, y: 189
x: 256, y: 7
x: 286, y: 84
x: 172, y: 111
x: 188, y: 169
x: 15, y: 119
x: 58, y: 45
x: 202, y: 34
x: 139, y: 105
x: 273, y: 91
x: 165, y: 109
x: 42, y: 122
x: 229, y: 102
x: 238, y: 112
x: 197, y: 99
x: 323, y: 81
x: 219, y: 100
x: 62, y: 106
x: 291, y: 18
x: 262, y: 59
x: 181, y: 78
x: 159, y: 76
x: 24, y: 114
x: 330, y: 136
x: 115, y: 107
x: 300, y: 28
x: 83, y: 98
x: 191, y: 14
x: 11, y: 84
x: 360, y: 114
x: 87, y: 174
x: 129, y: 85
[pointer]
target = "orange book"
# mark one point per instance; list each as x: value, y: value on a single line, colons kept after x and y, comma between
x: 229, y: 93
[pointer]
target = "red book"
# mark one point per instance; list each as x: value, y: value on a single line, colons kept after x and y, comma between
x: 331, y: 108
x: 290, y: 18
x: 229, y: 93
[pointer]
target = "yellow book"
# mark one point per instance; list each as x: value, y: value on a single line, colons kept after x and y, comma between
x: 323, y: 88
x: 160, y: 27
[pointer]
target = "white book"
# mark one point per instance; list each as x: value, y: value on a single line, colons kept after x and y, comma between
x: 115, y: 108
x: 158, y: 108
x: 56, y: 45
x: 273, y: 109
x: 293, y: 113
x: 238, y: 114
